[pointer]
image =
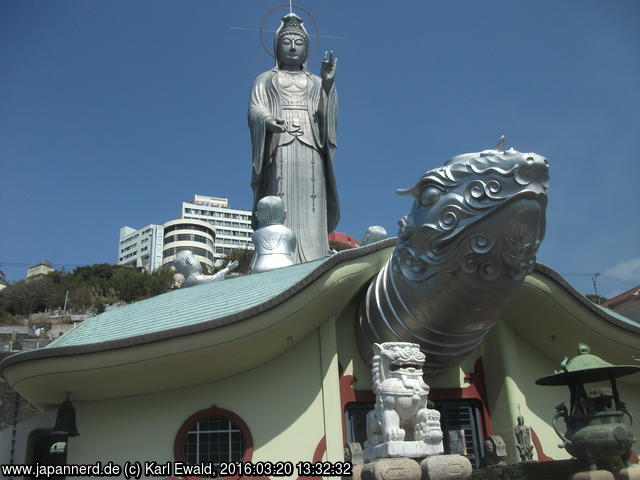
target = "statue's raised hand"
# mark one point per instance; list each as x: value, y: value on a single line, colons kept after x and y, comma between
x: 275, y: 125
x: 232, y: 265
x: 328, y: 70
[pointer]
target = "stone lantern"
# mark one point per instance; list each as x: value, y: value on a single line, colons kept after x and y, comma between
x: 595, y: 420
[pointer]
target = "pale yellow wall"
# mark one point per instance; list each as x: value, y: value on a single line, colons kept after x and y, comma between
x: 283, y: 403
x: 331, y: 392
x: 511, y: 366
x: 348, y: 355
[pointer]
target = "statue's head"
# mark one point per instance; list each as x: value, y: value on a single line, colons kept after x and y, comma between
x: 270, y: 210
x: 396, y: 360
x: 374, y: 234
x: 291, y: 42
x: 481, y: 212
x: 186, y: 263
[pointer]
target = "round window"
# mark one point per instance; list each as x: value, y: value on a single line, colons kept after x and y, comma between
x: 213, y: 436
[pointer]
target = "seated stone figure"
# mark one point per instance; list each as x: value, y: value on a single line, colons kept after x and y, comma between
x: 274, y: 243
x: 188, y: 265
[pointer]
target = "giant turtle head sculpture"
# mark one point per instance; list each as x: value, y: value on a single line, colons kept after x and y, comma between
x: 469, y: 240
x: 454, y: 222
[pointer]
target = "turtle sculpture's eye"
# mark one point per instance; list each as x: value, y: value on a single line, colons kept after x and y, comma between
x: 430, y: 195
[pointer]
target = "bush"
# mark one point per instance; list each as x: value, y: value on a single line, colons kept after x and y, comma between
x: 91, y: 287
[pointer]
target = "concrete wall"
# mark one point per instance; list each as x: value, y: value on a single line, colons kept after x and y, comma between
x: 630, y: 308
x: 289, y: 405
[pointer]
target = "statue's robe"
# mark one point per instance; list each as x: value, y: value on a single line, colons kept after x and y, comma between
x: 322, y: 116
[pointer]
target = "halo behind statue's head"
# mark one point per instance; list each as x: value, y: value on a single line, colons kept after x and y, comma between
x: 270, y: 210
x: 291, y: 24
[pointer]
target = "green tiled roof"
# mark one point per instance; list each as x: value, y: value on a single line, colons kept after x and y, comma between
x: 188, y: 306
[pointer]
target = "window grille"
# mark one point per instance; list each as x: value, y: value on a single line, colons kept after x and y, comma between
x: 214, y: 440
x: 459, y: 421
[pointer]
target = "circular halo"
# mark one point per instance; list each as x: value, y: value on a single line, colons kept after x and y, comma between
x: 306, y: 12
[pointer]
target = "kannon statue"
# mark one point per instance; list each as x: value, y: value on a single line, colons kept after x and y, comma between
x: 292, y: 117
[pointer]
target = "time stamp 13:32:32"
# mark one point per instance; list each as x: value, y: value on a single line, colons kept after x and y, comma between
x: 284, y: 469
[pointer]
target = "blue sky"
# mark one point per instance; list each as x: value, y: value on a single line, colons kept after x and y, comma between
x: 114, y: 112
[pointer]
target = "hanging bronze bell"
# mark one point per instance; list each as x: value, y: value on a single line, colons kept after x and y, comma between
x: 66, y: 420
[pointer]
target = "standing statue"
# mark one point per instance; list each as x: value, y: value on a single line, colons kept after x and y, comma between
x: 292, y: 117
x: 523, y: 439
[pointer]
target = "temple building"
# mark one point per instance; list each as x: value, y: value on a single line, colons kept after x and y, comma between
x: 266, y: 367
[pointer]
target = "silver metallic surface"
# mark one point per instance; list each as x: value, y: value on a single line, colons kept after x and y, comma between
x: 190, y: 267
x: 374, y: 234
x: 274, y: 243
x: 463, y: 250
x: 293, y: 117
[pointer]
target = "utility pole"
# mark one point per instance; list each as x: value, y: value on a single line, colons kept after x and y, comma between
x: 594, y: 279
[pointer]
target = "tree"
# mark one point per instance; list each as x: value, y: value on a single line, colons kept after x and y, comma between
x: 90, y: 288
x: 597, y: 299
x: 242, y: 255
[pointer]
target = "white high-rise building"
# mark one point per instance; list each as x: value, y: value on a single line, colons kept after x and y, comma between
x: 154, y: 245
x: 233, y: 227
x: 189, y: 234
x: 141, y: 248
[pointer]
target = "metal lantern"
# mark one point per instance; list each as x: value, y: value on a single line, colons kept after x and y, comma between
x: 595, y: 420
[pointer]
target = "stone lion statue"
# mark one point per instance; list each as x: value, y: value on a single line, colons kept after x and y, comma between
x: 401, y: 424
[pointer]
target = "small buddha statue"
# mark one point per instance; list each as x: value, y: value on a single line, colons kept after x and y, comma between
x: 274, y: 243
x: 374, y: 234
x: 190, y: 267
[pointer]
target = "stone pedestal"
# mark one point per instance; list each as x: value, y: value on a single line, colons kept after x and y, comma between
x: 388, y: 469
x: 411, y: 449
x: 593, y: 475
x: 629, y: 473
x: 446, y: 467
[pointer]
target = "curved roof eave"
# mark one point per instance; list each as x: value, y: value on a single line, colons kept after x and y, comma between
x: 554, y: 318
x: 199, y: 351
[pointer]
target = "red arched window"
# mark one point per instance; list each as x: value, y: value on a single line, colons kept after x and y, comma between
x: 213, y: 435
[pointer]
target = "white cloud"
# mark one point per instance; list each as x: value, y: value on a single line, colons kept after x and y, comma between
x: 621, y: 277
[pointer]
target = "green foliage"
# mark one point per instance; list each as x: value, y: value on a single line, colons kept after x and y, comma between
x: 90, y: 287
x: 598, y: 299
x: 243, y: 256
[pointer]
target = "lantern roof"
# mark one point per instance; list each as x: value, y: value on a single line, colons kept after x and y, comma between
x: 586, y: 368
